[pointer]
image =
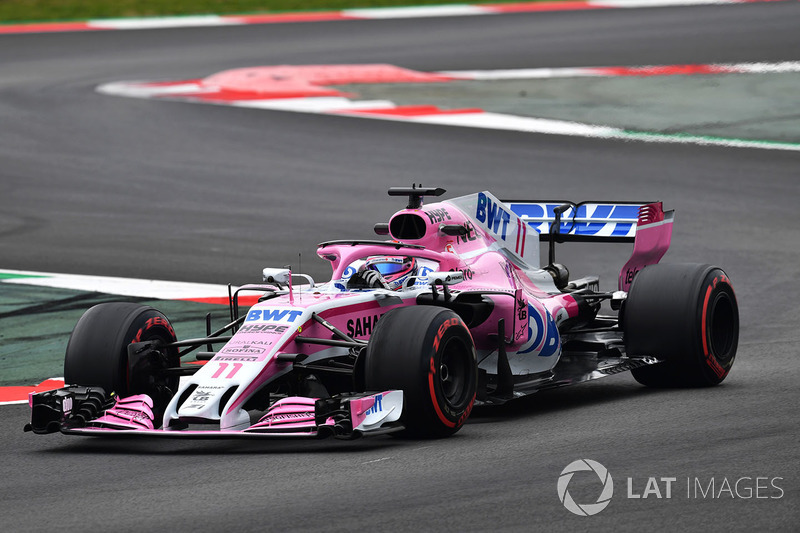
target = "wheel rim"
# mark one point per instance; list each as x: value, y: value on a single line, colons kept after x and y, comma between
x: 454, y: 372
x: 722, y: 325
x: 172, y: 359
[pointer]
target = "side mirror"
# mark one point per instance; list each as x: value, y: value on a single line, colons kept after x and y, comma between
x: 282, y: 276
x: 446, y: 278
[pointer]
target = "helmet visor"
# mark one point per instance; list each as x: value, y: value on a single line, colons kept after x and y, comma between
x: 388, y: 269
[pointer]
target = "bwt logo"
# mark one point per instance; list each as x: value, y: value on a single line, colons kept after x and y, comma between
x: 586, y: 509
x: 377, y: 407
x: 273, y: 315
x: 492, y: 215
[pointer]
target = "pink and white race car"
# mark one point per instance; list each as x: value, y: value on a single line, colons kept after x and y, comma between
x: 409, y: 334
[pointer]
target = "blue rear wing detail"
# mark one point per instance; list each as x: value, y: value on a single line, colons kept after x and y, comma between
x: 584, y: 221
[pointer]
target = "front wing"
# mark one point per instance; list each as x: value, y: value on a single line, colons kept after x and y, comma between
x: 79, y: 410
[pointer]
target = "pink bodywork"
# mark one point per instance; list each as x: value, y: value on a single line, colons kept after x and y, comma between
x: 294, y: 413
x: 479, y: 255
x: 133, y: 412
x: 498, y: 258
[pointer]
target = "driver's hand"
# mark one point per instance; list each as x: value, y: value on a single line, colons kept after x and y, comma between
x: 373, y: 280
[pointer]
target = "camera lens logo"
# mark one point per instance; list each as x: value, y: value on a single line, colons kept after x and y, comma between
x: 586, y: 509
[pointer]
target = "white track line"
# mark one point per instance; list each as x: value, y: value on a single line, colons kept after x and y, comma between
x: 149, y: 23
x: 455, y: 10
x: 139, y: 288
x: 593, y: 72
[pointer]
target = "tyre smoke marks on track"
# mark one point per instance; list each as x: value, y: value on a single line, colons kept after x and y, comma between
x: 455, y: 10
x: 309, y: 89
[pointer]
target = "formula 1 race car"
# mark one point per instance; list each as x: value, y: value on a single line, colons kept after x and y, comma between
x: 410, y: 333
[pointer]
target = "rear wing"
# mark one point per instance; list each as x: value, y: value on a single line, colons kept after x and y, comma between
x: 645, y: 224
x: 581, y: 222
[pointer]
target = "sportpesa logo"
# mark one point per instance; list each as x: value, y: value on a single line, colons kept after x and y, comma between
x: 586, y: 509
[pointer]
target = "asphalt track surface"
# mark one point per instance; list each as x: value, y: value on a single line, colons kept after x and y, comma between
x: 112, y: 186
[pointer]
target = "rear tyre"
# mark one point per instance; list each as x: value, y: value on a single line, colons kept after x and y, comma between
x: 97, y: 352
x: 428, y: 353
x: 686, y: 315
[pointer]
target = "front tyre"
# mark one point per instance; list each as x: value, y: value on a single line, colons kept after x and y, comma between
x: 686, y: 315
x: 428, y: 353
x: 97, y: 352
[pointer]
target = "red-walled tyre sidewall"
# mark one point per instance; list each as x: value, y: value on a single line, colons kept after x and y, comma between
x: 428, y: 353
x: 687, y: 316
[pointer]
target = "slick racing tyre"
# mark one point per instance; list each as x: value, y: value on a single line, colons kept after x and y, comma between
x: 428, y: 353
x: 97, y: 352
x: 687, y: 316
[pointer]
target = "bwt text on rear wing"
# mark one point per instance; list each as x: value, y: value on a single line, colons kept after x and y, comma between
x: 588, y: 221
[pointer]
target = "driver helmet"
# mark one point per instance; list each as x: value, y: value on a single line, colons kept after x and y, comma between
x: 395, y: 270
